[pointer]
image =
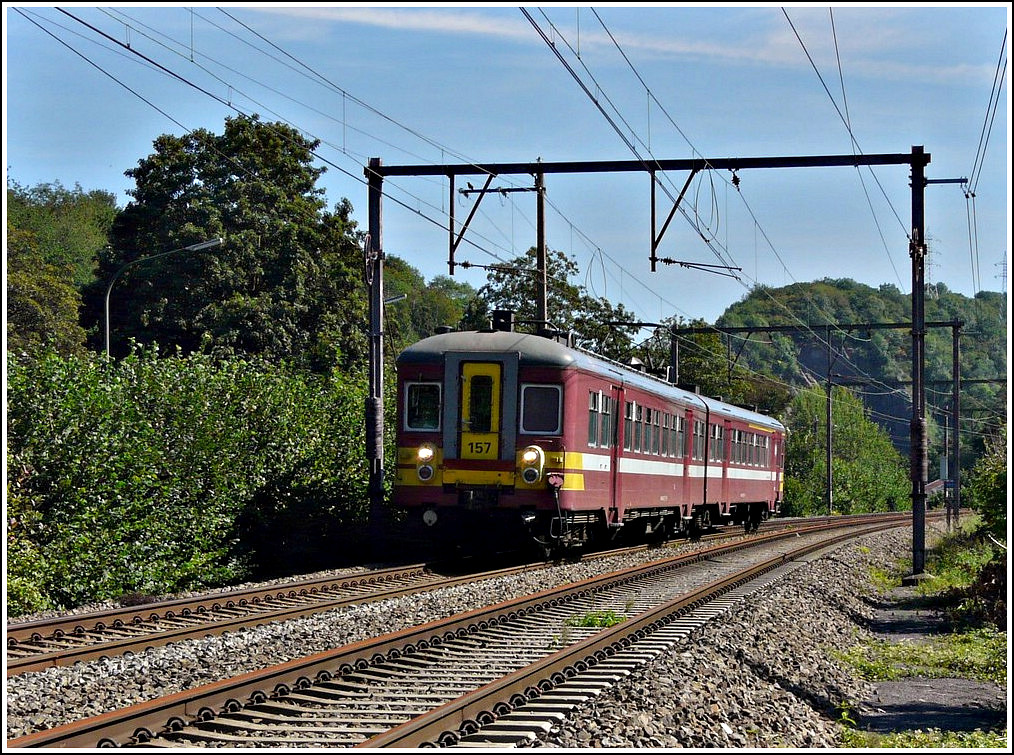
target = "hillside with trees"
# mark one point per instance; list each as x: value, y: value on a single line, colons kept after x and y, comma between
x: 876, y: 363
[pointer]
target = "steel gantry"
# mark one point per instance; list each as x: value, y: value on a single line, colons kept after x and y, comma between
x: 376, y: 172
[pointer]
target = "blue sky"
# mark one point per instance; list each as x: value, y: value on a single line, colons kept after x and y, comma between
x: 418, y: 85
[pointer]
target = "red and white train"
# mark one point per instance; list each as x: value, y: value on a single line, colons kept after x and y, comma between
x: 505, y: 435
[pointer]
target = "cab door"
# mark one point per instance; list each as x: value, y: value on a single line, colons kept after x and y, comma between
x: 481, y: 386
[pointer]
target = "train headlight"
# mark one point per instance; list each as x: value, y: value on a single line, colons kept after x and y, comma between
x: 424, y: 462
x: 532, y: 460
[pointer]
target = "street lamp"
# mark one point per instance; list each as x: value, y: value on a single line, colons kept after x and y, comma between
x: 210, y: 244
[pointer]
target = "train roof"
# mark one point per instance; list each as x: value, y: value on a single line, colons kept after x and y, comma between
x: 535, y: 350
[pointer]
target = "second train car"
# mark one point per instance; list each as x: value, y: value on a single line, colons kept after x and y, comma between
x: 505, y: 436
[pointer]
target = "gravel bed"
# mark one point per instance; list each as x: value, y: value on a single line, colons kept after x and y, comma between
x: 761, y: 675
x: 777, y: 690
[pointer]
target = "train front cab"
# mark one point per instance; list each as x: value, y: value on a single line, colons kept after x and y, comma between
x: 478, y: 446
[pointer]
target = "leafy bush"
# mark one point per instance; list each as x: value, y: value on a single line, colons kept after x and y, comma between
x: 988, y: 485
x: 139, y: 476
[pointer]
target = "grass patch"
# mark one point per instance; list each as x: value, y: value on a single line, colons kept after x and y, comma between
x: 884, y: 579
x: 928, y: 739
x: 980, y: 654
x: 598, y: 619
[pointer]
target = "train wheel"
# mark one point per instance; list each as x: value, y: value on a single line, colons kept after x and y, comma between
x: 696, y: 526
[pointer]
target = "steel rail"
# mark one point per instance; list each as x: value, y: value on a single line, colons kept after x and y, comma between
x: 154, y: 611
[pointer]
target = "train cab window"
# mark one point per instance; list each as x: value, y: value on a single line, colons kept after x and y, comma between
x: 540, y: 409
x: 422, y: 406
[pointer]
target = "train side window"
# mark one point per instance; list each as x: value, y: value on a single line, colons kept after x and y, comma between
x: 628, y: 426
x: 698, y: 448
x: 655, y: 416
x: 680, y: 444
x: 540, y: 409
x: 638, y: 426
x: 664, y: 446
x: 605, y: 439
x: 719, y: 443
x: 593, y: 418
x: 422, y: 406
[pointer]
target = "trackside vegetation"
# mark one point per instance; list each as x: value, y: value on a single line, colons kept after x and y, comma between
x: 157, y: 473
x: 968, y: 586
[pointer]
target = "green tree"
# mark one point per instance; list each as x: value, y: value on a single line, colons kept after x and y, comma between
x: 42, y: 303
x: 286, y: 284
x: 53, y: 238
x: 705, y: 362
x: 570, y: 308
x: 424, y: 306
x: 868, y: 474
x: 68, y: 227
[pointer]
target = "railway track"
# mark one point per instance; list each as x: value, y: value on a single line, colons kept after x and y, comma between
x: 41, y: 644
x: 479, y: 674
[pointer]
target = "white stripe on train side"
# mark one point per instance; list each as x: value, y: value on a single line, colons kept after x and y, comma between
x: 630, y: 465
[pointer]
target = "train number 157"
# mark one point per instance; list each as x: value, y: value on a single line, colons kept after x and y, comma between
x: 476, y: 447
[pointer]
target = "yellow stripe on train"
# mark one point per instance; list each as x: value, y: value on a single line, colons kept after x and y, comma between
x: 478, y: 477
x: 572, y: 481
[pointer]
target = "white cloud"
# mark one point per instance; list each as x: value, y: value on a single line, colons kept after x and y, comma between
x: 411, y: 19
x: 870, y: 41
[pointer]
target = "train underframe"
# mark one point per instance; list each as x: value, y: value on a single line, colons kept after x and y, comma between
x: 480, y: 520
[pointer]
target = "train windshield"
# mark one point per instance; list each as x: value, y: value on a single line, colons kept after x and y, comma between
x: 422, y: 410
x: 540, y: 409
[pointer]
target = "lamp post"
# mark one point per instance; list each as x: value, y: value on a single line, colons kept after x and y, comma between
x: 210, y: 244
